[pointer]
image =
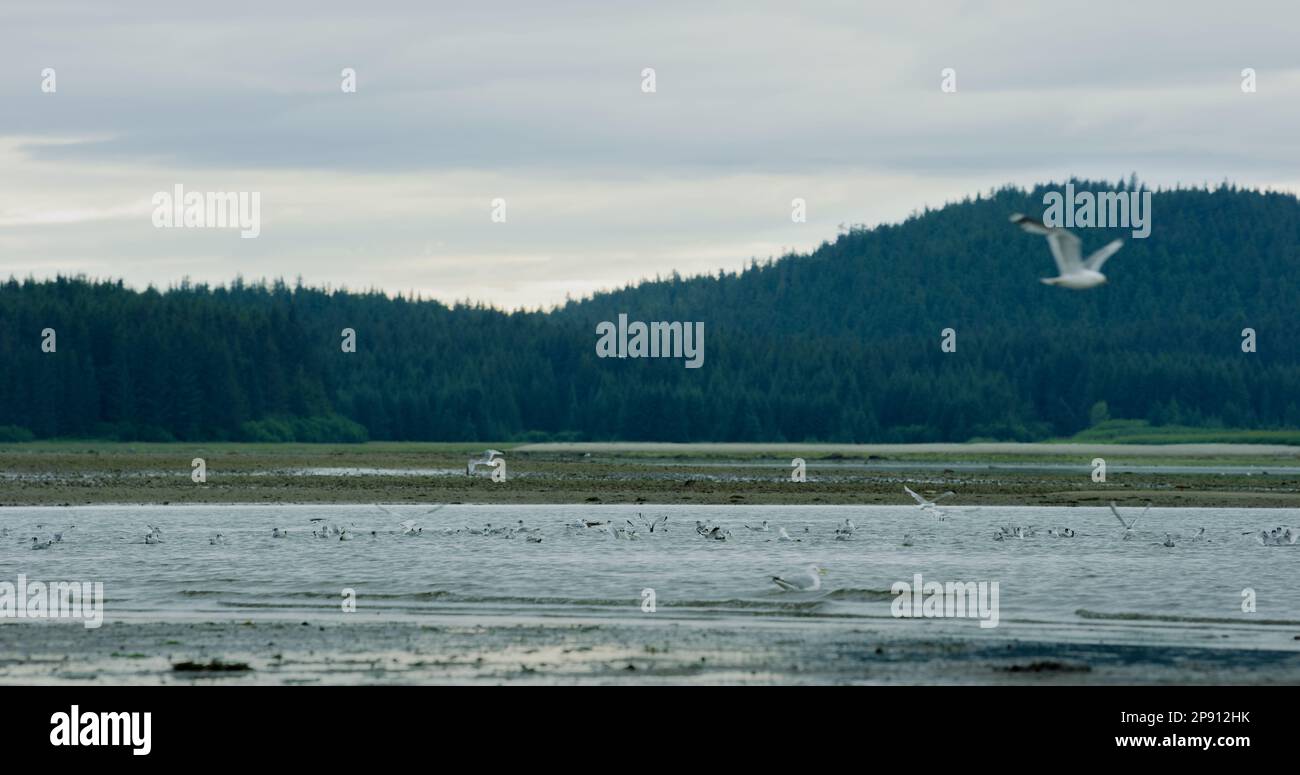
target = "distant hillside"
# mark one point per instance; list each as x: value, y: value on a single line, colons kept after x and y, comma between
x: 840, y: 345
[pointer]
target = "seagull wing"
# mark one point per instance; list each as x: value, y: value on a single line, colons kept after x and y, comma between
x: 919, y: 500
x: 1115, y: 511
x: 1140, y: 516
x: 1064, y: 245
x: 439, y: 507
x: 1066, y: 249
x: 381, y: 508
x: 783, y: 584
x: 1095, y: 261
x: 1030, y: 225
x: 945, y: 495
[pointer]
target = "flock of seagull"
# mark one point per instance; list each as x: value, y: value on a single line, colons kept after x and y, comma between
x: 628, y: 530
x: 43, y: 541
x: 806, y: 580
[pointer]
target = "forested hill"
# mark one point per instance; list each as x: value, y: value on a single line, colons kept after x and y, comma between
x: 839, y: 345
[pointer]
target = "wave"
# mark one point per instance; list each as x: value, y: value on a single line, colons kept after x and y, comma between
x: 773, y: 604
x: 1136, y: 617
x: 861, y: 595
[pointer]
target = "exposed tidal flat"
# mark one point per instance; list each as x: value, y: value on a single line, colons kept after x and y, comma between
x: 1189, y: 474
x: 572, y: 652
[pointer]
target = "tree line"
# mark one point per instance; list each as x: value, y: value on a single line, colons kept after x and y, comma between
x: 841, y: 344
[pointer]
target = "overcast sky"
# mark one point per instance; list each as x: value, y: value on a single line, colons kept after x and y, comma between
x: 541, y: 104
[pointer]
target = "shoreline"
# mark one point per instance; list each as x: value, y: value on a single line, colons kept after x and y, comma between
x: 607, y: 652
x: 101, y: 473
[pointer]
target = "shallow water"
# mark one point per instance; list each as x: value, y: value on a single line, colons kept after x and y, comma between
x: 1093, y: 587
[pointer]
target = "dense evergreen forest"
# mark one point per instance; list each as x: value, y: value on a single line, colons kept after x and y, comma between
x: 842, y: 344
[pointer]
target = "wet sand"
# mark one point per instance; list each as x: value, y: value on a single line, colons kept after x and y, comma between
x: 594, y: 652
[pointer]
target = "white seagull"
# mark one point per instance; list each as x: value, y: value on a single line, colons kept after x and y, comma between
x: 657, y: 522
x: 930, y: 506
x: 1075, y: 272
x: 1278, y: 536
x: 1128, y: 526
x: 426, y: 512
x: 809, y: 581
x: 483, y: 460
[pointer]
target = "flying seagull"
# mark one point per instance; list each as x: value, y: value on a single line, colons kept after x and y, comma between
x: 485, y: 459
x: 657, y: 522
x: 421, y: 514
x: 1128, y: 526
x: 1075, y: 272
x: 928, y: 505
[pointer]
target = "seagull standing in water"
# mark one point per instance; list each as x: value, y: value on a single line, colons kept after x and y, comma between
x: 763, y: 528
x: 1075, y: 272
x: 1278, y: 536
x: 808, y: 581
x: 1128, y: 526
